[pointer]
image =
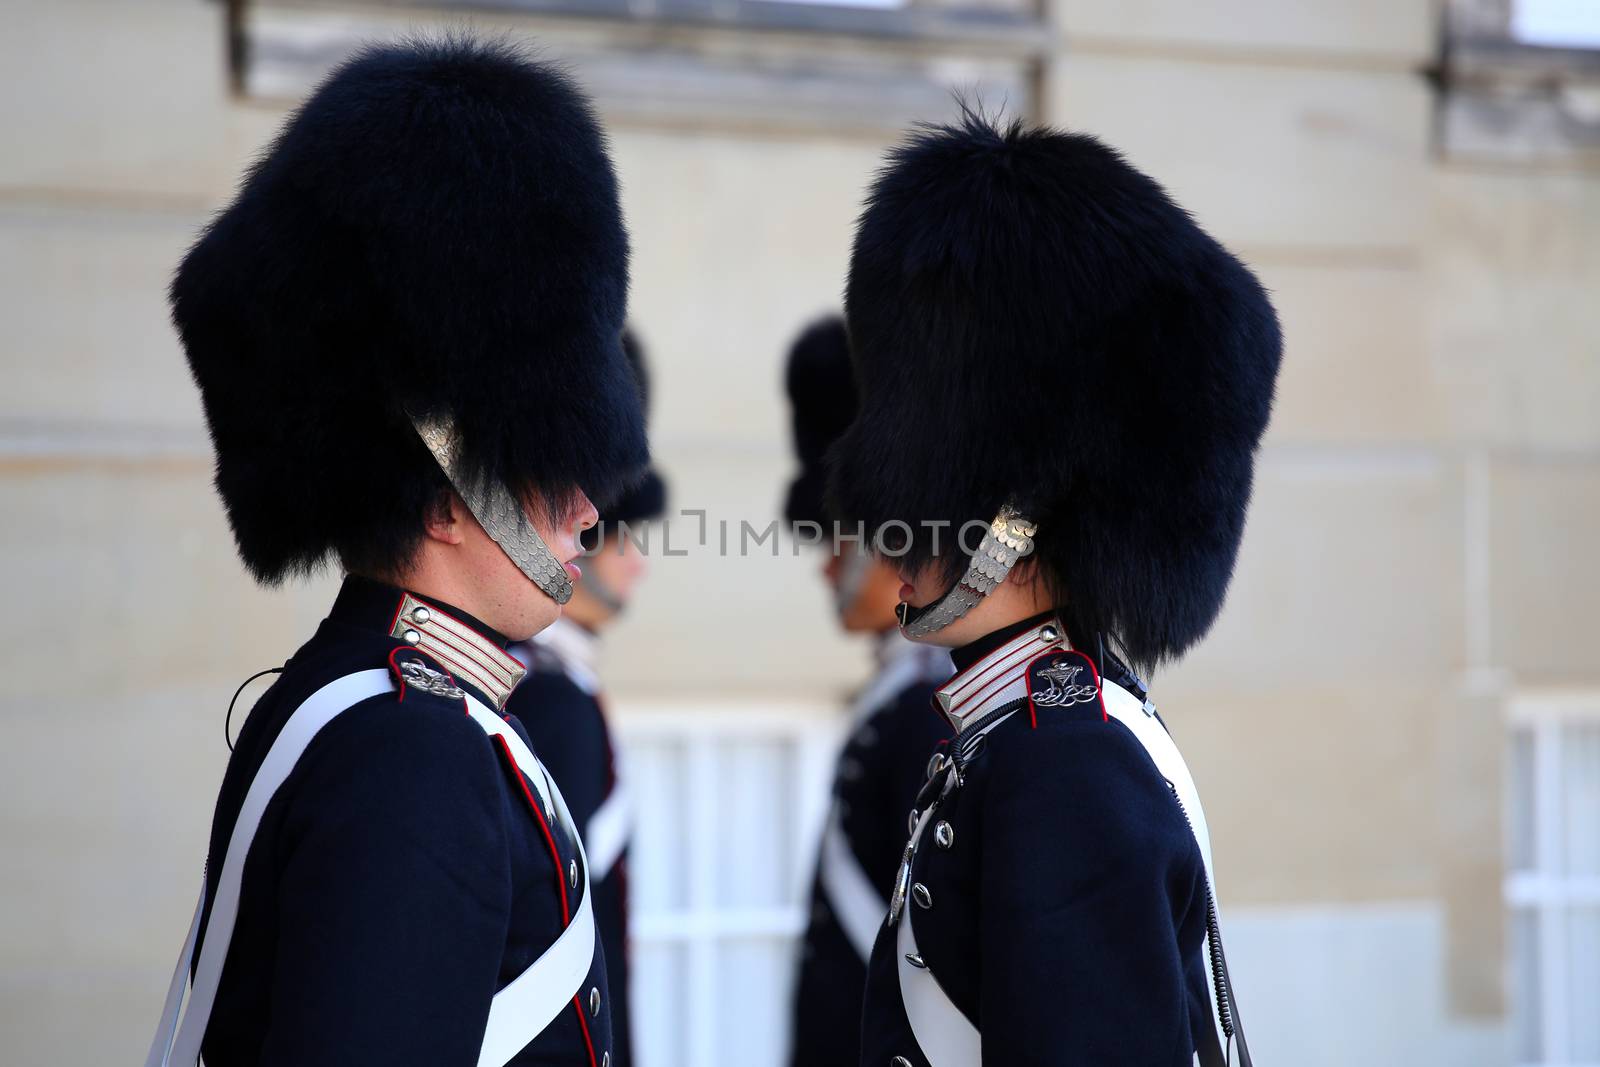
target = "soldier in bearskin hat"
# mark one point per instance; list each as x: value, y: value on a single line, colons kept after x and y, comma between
x: 559, y: 702
x: 1056, y: 360
x: 405, y: 330
x: 892, y: 726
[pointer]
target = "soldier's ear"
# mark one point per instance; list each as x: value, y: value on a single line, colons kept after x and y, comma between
x: 446, y: 519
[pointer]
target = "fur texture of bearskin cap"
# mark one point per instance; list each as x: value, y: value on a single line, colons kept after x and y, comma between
x: 822, y: 400
x: 1033, y: 319
x: 435, y: 232
x: 646, y: 498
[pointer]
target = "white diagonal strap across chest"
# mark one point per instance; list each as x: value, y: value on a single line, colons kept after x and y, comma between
x: 518, y: 1013
x: 532, y: 1000
x: 606, y: 836
x: 945, y: 1035
x: 857, y: 905
x: 1163, y: 751
x: 1130, y: 711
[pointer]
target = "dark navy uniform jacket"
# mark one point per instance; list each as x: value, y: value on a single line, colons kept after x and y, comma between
x: 879, y: 771
x: 559, y: 704
x: 403, y: 873
x: 1059, y: 900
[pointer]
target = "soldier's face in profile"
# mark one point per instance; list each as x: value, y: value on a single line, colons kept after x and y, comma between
x: 921, y: 587
x: 1019, y: 597
x: 616, y: 567
x: 871, y: 607
x: 495, y: 589
x: 620, y: 565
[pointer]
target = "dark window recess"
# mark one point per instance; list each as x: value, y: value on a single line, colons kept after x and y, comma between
x: 1511, y: 97
x: 843, y: 67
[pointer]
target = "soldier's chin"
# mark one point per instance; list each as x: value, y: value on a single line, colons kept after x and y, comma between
x: 531, y: 611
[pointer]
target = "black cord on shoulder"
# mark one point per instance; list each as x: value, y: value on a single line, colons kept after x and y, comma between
x: 1140, y: 687
x: 227, y: 723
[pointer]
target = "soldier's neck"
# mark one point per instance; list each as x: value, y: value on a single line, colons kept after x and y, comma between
x: 972, y: 652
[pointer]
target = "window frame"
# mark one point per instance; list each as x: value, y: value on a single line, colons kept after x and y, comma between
x: 816, y: 730
x: 733, y: 66
x: 1505, y: 100
x: 1022, y: 26
x: 1542, y: 887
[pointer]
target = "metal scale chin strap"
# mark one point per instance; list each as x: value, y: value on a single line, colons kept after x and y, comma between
x: 1008, y: 539
x: 499, y: 513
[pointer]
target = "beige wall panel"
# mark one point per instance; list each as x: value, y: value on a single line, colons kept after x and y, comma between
x: 138, y: 624
x: 110, y: 95
x: 119, y: 795
x: 1391, y: 31
x: 1265, y: 157
x: 1469, y: 751
x: 1350, y: 573
x: 738, y: 243
x: 1545, y: 570
x: 108, y: 800
x: 140, y: 558
x: 80, y: 1019
x: 84, y: 306
x: 1362, y: 792
x: 705, y: 622
x: 1513, y: 270
x: 1314, y: 793
x: 1356, y: 362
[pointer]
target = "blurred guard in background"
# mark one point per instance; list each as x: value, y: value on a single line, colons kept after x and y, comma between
x: 1050, y: 350
x: 559, y: 702
x: 894, y: 727
x: 405, y: 333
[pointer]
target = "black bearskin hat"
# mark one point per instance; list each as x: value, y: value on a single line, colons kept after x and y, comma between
x: 1034, y: 320
x: 822, y: 401
x: 434, y: 234
x: 647, y: 497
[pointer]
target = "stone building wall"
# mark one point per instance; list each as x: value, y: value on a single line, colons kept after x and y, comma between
x: 1420, y: 551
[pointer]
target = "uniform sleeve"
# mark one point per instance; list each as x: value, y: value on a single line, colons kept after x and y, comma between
x: 567, y: 731
x: 1090, y: 881
x: 394, y: 892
